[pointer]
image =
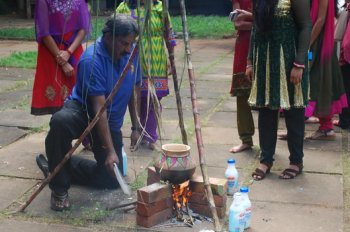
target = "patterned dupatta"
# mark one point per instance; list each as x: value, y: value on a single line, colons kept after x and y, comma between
x: 328, y: 33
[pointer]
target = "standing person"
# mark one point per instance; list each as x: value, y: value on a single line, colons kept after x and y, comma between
x: 240, y: 87
x: 327, y: 94
x: 154, y: 66
x: 60, y: 27
x: 344, y: 62
x: 98, y: 71
x: 277, y: 62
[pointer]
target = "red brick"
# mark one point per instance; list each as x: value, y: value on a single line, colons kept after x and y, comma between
x: 201, y: 198
x: 205, y: 210
x: 153, y: 176
x: 148, y: 209
x: 155, y: 219
x: 154, y: 192
x: 218, y: 185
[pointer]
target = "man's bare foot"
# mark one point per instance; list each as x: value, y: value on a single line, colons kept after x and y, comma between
x: 240, y: 148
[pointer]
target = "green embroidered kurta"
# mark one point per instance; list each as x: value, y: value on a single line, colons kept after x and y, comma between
x: 273, y: 54
x: 153, y: 55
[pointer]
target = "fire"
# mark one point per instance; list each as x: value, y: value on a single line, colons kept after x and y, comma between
x: 181, y: 194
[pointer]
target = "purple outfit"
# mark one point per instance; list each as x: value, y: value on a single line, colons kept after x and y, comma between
x: 57, y: 17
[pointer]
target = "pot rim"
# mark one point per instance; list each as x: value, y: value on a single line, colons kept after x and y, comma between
x: 180, y: 152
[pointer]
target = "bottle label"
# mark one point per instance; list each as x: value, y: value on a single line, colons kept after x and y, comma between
x: 231, y: 185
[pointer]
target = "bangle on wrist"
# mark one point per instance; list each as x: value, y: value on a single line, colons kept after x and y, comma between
x: 249, y: 66
x: 69, y: 52
x: 298, y: 65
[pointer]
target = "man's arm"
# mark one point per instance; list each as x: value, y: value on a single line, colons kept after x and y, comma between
x: 104, y: 133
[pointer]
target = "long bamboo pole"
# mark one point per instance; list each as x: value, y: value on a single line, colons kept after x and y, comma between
x: 197, y: 118
x: 86, y: 131
x: 173, y: 71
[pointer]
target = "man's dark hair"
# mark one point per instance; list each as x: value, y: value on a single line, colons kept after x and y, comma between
x: 121, y: 25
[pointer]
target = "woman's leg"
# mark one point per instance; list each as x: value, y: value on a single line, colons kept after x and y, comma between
x: 245, y: 124
x: 149, y: 121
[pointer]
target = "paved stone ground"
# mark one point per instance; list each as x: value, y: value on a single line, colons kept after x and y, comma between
x: 316, y: 201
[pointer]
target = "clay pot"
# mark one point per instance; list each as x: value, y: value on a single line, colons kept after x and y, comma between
x: 175, y: 163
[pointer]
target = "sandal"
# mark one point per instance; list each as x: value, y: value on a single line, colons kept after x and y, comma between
x: 290, y: 173
x: 59, y: 202
x: 259, y: 174
x: 322, y: 135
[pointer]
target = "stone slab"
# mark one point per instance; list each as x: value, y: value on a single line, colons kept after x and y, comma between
x: 277, y: 217
x: 308, y: 189
x: 217, y: 156
x: 9, y: 135
x: 224, y: 136
x: 11, y: 189
x: 32, y: 226
x: 315, y: 161
x: 18, y: 159
x: 23, y: 119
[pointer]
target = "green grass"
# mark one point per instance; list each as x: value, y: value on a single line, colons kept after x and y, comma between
x: 213, y: 27
x: 20, y: 60
x: 17, y: 33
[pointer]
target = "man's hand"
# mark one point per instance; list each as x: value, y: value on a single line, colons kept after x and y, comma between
x: 134, y: 137
x: 110, y: 160
x: 296, y: 75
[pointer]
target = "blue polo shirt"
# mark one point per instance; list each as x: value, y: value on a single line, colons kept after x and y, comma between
x: 96, y: 76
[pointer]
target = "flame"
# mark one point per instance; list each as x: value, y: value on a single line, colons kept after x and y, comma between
x: 181, y: 194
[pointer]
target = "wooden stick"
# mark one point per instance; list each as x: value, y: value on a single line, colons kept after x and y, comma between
x: 173, y: 71
x: 85, y: 133
x: 197, y: 118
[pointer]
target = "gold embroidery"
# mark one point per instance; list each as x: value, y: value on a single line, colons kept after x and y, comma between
x: 283, y: 8
x: 298, y: 96
x: 253, y: 93
x: 284, y: 97
x: 50, y: 93
x: 267, y: 76
x: 64, y: 92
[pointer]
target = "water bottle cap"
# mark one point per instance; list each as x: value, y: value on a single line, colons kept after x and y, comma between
x: 231, y: 161
x: 244, y: 189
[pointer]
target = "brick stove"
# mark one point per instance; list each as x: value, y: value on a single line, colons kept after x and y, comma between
x: 155, y: 203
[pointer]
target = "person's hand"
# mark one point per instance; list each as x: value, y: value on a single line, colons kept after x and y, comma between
x: 296, y: 75
x: 170, y: 70
x: 109, y: 162
x: 134, y: 137
x: 62, y: 57
x: 68, y: 69
x: 244, y: 15
x: 249, y: 72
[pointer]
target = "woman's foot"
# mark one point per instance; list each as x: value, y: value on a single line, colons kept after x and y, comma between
x: 282, y: 135
x: 240, y: 148
x: 261, y: 171
x: 322, y: 135
x: 291, y: 172
x: 148, y: 144
x: 312, y: 119
x: 338, y: 123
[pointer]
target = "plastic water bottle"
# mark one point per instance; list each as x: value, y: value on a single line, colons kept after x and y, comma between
x: 236, y: 215
x: 231, y: 175
x: 125, y: 162
x: 247, y: 206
